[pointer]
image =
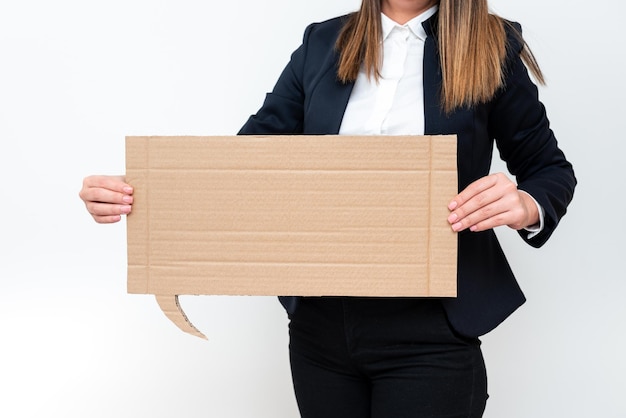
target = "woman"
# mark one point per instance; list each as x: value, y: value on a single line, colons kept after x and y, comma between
x: 413, y: 67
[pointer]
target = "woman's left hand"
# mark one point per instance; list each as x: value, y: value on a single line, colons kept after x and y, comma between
x: 491, y: 201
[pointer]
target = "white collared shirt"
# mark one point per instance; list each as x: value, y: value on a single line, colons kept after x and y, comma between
x: 395, y: 104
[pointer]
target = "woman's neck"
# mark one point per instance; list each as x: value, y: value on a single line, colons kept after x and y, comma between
x: 401, y: 11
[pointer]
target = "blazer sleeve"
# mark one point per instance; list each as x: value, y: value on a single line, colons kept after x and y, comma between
x: 282, y: 111
x: 520, y: 127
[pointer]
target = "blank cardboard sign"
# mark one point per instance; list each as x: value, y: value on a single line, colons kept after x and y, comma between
x: 290, y: 215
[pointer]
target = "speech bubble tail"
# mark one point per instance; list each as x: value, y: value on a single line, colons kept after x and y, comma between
x: 171, y: 308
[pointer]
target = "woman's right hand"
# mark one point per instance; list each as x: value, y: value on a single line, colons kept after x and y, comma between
x: 107, y: 198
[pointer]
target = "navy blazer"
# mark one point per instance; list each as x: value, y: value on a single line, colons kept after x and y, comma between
x: 309, y: 99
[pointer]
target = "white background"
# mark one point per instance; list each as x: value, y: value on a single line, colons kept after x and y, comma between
x: 77, y: 76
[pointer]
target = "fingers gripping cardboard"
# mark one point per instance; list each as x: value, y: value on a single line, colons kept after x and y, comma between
x: 290, y: 215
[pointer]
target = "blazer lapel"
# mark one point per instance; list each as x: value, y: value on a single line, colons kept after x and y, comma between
x: 434, y: 118
x: 325, y: 108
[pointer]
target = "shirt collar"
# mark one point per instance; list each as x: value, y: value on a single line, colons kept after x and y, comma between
x: 414, y: 25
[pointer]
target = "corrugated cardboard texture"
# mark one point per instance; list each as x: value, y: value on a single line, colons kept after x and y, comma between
x: 291, y: 215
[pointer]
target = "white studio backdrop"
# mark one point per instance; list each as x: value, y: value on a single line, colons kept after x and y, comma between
x: 76, y: 77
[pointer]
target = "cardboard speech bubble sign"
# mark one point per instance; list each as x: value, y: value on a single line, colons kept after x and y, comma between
x: 290, y: 215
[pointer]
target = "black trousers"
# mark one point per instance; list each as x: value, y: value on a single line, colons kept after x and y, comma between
x: 383, y: 358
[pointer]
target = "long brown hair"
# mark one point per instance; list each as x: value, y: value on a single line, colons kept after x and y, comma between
x: 472, y: 50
